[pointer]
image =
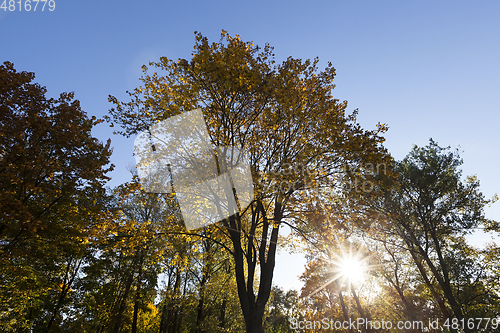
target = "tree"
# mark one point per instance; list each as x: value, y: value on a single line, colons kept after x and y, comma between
x: 52, y: 199
x: 283, y: 308
x: 148, y: 275
x: 284, y: 116
x: 432, y: 210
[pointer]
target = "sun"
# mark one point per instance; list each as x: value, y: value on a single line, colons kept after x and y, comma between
x: 346, y: 267
x: 351, y: 269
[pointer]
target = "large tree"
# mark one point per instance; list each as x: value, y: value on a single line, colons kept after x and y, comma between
x: 52, y: 173
x: 296, y: 134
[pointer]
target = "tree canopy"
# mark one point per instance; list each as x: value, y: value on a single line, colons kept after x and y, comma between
x: 385, y: 240
x: 284, y: 116
x: 52, y: 174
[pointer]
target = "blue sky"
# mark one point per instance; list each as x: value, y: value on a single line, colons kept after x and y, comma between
x: 426, y: 68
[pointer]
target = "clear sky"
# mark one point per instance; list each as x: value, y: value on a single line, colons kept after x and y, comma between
x: 425, y: 68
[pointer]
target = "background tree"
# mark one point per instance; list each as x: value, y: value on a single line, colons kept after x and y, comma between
x: 52, y: 198
x: 432, y: 210
x: 146, y: 274
x: 283, y: 308
x: 414, y: 223
x: 284, y: 116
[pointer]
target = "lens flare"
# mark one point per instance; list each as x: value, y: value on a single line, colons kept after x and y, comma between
x: 351, y: 269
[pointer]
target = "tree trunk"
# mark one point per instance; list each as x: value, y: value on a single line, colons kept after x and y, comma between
x: 171, y: 321
x: 68, y: 281
x: 137, y: 296
x: 362, y: 313
x: 123, y: 302
x: 344, y: 308
x: 222, y: 317
x: 199, y: 316
x: 445, y: 282
x: 253, y: 307
x: 128, y: 285
x: 163, y: 326
x: 437, y: 296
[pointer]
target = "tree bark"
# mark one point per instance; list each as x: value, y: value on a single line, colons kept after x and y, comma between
x: 199, y: 315
x: 68, y: 281
x: 123, y: 302
x: 344, y: 308
x: 222, y: 316
x: 137, y: 296
x: 253, y: 307
x: 362, y: 313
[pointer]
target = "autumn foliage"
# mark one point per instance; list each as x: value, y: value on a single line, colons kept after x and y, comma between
x: 385, y: 240
x: 52, y: 174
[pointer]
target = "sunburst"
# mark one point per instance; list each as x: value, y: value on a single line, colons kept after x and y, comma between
x: 349, y: 268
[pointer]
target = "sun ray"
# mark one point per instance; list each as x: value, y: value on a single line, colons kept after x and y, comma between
x: 348, y: 267
x: 352, y: 269
x: 333, y: 279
